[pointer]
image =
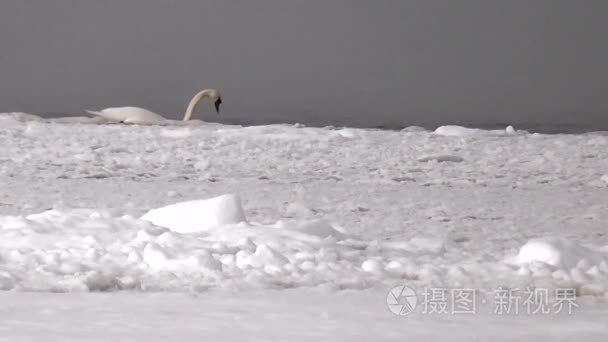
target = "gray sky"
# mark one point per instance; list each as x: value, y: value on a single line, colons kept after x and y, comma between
x: 352, y: 62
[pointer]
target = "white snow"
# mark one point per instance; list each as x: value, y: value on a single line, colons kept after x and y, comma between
x: 197, y: 216
x: 559, y: 253
x: 456, y: 131
x: 209, y: 210
x: 293, y: 314
x: 565, y: 263
x: 459, y: 131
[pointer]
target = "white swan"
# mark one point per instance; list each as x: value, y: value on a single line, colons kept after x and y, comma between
x: 136, y: 115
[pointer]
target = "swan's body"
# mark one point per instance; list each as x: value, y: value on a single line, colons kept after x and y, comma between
x: 128, y: 115
x: 137, y: 115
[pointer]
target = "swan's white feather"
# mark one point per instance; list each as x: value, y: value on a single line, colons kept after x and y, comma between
x: 128, y: 115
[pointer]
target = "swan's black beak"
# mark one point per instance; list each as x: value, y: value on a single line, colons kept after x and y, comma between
x: 217, y: 104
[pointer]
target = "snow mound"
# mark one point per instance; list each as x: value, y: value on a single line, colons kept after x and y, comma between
x: 90, y: 250
x: 199, y: 215
x: 78, y: 120
x: 21, y: 116
x: 455, y: 131
x: 460, y: 131
x: 559, y: 253
x: 320, y: 228
x: 95, y: 250
x: 31, y: 118
x: 564, y: 263
x: 414, y: 129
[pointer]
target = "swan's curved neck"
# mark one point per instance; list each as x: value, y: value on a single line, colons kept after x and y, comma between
x: 195, y: 100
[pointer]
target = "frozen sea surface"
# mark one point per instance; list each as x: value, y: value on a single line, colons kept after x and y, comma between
x: 324, y: 220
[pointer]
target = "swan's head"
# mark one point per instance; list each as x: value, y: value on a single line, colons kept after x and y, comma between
x: 217, y: 104
x: 216, y: 97
x: 212, y: 94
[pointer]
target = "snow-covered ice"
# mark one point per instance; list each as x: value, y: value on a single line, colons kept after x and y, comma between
x: 289, y: 212
x: 292, y: 314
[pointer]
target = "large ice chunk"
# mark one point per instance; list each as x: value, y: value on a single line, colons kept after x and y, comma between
x: 199, y: 215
